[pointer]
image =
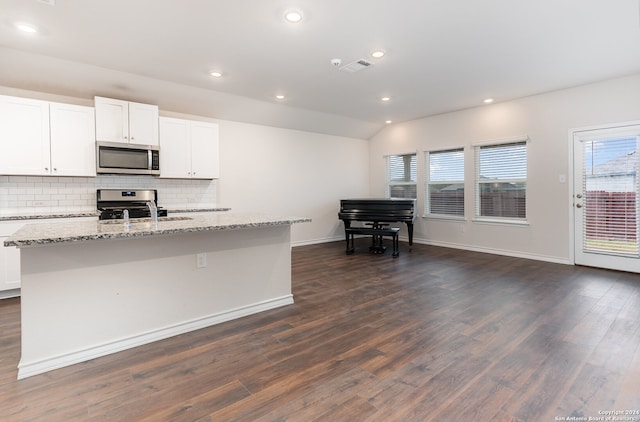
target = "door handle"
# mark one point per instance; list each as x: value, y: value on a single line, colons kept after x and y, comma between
x: 579, y: 195
x: 578, y: 205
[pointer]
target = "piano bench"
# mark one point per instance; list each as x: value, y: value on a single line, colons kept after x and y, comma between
x: 377, y: 234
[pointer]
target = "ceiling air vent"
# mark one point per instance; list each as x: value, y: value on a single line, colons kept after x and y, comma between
x: 356, y: 66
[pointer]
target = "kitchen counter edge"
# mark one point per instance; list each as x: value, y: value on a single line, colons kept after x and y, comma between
x: 47, y: 234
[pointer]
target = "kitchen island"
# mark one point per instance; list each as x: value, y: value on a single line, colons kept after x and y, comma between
x: 90, y: 288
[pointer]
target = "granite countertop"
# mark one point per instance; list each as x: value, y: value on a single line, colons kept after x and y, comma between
x: 42, y: 216
x: 41, y: 234
x: 183, y: 210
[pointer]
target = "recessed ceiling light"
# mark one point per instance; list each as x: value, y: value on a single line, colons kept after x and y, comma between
x: 216, y: 74
x: 385, y: 99
x: 293, y: 16
x: 280, y: 97
x: 25, y: 27
x: 377, y: 54
x: 488, y: 101
x: 388, y: 121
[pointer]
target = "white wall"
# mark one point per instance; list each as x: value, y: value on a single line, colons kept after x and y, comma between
x: 263, y: 169
x: 291, y: 172
x: 547, y: 120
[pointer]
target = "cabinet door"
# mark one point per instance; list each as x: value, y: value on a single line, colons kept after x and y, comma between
x: 175, y: 148
x: 143, y: 124
x: 204, y: 151
x: 73, y: 149
x: 9, y: 267
x: 24, y: 136
x: 9, y: 258
x: 112, y: 120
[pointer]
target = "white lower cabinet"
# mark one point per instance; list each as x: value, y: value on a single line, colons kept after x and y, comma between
x: 10, y: 255
x: 188, y: 149
x: 9, y: 261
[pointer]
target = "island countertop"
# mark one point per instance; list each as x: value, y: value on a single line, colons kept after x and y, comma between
x: 41, y: 234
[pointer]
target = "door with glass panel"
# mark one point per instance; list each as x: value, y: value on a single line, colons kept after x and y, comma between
x: 606, y: 198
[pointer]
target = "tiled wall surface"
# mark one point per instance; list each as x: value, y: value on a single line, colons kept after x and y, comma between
x: 35, y: 194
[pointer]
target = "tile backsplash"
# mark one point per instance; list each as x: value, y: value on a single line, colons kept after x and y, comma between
x: 44, y: 194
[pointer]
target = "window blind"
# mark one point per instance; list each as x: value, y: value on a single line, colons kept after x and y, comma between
x: 402, y: 176
x: 610, y: 196
x: 501, y: 180
x: 445, y: 182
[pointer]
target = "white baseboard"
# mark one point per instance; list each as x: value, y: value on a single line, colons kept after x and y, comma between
x: 6, y: 294
x: 317, y: 241
x: 27, y: 369
x: 514, y: 254
x: 494, y: 251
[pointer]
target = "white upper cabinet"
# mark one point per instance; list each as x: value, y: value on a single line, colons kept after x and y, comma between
x: 205, y: 163
x: 73, y: 147
x: 126, y: 122
x: 24, y: 136
x: 175, y: 148
x: 46, y: 139
x: 188, y: 149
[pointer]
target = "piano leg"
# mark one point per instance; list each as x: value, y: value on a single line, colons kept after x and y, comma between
x: 410, y: 230
x: 349, y: 239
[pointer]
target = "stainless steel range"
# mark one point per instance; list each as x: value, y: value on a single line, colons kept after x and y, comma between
x: 112, y: 203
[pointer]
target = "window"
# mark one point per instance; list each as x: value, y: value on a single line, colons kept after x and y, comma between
x: 444, y: 193
x: 402, y: 176
x: 501, y: 180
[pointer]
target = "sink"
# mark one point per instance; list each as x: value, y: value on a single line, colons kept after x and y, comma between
x: 144, y: 220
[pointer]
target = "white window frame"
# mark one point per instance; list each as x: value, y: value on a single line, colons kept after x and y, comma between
x: 478, y: 182
x: 389, y: 183
x: 429, y: 182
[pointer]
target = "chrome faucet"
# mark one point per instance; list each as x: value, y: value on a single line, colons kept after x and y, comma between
x: 153, y: 210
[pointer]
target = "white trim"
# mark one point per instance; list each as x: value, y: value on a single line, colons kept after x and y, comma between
x: 482, y: 249
x: 317, y: 241
x: 27, y: 369
x: 500, y: 221
x: 570, y: 180
x: 6, y: 294
x: 445, y: 217
x: 603, y: 126
x: 523, y: 138
x: 493, y: 251
x: 384, y: 157
x: 446, y: 149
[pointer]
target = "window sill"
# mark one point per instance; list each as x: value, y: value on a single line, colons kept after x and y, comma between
x: 501, y: 221
x: 444, y: 217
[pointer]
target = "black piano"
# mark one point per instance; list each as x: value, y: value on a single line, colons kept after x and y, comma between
x: 378, y: 212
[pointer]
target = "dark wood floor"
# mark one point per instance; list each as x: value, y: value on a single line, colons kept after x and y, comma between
x: 434, y: 335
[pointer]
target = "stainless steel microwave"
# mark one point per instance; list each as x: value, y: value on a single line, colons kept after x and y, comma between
x: 121, y: 158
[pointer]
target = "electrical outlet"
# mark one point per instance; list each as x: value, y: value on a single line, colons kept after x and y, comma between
x: 201, y: 260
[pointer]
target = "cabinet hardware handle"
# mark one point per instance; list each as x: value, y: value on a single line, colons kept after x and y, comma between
x: 579, y: 195
x: 578, y: 205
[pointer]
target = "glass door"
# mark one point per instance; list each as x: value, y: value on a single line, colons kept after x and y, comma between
x: 606, y: 198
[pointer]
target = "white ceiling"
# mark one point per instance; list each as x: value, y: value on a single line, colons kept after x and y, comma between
x: 441, y: 55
